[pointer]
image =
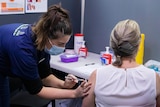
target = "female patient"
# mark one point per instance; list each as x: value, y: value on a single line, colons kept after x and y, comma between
x: 124, y: 83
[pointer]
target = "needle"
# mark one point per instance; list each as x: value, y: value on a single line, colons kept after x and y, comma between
x: 67, y: 77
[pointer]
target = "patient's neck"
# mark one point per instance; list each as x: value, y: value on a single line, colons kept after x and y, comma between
x: 129, y: 63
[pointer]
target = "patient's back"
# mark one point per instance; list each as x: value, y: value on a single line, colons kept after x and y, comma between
x: 132, y: 87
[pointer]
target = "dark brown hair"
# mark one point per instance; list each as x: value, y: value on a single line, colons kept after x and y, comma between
x: 53, y: 24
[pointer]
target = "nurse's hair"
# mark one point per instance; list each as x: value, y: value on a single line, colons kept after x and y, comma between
x: 53, y: 24
x: 124, y: 40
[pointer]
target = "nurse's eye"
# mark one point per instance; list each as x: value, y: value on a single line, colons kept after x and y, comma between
x: 61, y: 44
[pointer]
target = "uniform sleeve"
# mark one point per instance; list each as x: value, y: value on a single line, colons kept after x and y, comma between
x: 44, y: 65
x: 33, y: 86
x: 36, y: 71
x: 44, y: 69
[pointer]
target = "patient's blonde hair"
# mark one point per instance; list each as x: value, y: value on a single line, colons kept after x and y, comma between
x: 124, y: 40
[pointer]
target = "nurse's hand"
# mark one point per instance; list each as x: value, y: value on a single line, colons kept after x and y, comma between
x: 83, y: 89
x: 70, y: 81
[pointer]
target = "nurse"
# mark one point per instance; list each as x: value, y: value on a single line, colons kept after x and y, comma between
x: 25, y: 53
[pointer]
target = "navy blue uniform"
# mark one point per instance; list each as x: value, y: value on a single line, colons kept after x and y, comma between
x: 20, y: 58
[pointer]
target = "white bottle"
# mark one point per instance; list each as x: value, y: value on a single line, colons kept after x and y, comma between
x: 83, y: 50
x: 78, y: 40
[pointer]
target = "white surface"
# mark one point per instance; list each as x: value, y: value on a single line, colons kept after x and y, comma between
x: 82, y: 68
x: 152, y: 62
x: 155, y: 63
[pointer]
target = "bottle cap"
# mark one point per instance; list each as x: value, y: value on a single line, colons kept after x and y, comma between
x: 107, y: 49
x: 78, y: 34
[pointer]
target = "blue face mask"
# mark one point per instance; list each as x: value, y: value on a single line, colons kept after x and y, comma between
x: 55, y: 50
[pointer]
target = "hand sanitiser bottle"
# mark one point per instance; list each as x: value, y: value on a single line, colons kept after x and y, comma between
x: 106, y: 58
x: 83, y: 50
